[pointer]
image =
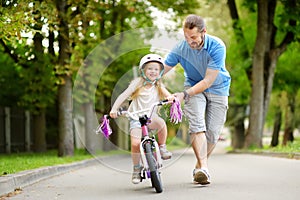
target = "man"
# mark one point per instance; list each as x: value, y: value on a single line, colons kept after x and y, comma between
x: 206, y: 91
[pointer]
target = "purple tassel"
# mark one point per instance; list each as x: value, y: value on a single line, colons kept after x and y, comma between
x: 104, y: 127
x: 175, y: 112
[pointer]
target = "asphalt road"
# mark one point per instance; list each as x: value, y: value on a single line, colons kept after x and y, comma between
x: 234, y: 176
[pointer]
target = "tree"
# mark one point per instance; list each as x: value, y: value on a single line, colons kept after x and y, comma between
x: 66, y: 136
x: 287, y: 82
x: 37, y: 81
x: 265, y: 59
x: 71, y: 29
x: 275, y: 31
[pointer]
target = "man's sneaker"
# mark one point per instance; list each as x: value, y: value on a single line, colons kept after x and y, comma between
x: 201, y: 176
x: 136, y: 175
x: 165, y: 154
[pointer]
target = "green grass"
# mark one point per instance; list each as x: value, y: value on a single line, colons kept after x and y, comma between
x: 16, y: 162
x: 291, y: 147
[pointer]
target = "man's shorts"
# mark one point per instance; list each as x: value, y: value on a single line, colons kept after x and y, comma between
x: 206, y: 112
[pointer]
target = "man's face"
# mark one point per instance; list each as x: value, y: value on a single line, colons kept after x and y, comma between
x: 193, y: 37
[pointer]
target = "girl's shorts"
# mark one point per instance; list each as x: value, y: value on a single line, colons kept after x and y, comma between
x: 134, y: 124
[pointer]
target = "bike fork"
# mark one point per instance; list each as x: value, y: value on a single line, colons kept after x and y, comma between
x: 156, y: 153
x: 143, y: 156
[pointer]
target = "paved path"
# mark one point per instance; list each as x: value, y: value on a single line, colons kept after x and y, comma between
x: 234, y: 176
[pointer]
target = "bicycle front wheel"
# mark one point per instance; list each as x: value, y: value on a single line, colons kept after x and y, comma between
x: 154, y: 173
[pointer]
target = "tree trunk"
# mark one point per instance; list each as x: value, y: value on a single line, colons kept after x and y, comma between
x: 276, y: 128
x: 289, y: 120
x: 65, y: 125
x: 39, y: 118
x: 237, y: 115
x: 39, y: 132
x: 272, y: 54
x: 254, y: 134
x: 238, y: 137
x: 65, y: 129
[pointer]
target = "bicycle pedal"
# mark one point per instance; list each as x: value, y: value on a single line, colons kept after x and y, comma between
x: 143, y: 175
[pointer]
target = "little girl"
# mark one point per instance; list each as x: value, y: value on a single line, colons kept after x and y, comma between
x: 144, y: 91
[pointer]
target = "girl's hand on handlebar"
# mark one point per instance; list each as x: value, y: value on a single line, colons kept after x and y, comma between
x: 113, y: 114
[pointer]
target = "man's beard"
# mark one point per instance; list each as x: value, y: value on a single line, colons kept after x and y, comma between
x: 194, y: 45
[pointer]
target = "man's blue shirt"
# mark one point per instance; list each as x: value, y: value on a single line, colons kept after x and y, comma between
x: 195, y: 62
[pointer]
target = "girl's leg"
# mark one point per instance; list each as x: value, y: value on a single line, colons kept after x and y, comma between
x: 161, y: 127
x: 135, y: 134
x: 135, y: 145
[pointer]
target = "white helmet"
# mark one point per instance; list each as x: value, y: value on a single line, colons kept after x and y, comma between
x: 151, y: 58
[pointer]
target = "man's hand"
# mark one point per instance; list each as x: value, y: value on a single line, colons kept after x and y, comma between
x: 171, y: 98
x: 179, y: 96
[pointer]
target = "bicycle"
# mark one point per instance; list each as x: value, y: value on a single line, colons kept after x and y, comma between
x: 150, y: 154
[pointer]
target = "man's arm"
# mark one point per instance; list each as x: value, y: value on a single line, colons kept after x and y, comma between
x: 167, y: 68
x: 210, y: 77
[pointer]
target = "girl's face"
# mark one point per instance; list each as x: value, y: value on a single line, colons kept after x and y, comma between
x: 152, y: 70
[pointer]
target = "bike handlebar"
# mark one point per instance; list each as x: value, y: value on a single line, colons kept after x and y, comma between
x: 149, y: 110
x: 104, y: 125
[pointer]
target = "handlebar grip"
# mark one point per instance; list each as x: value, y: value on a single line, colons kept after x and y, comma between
x: 166, y: 101
x: 163, y: 102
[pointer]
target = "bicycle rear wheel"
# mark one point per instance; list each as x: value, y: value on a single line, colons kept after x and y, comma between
x: 154, y: 173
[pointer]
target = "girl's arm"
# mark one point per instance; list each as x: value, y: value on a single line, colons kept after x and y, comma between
x: 167, y: 94
x: 122, y: 97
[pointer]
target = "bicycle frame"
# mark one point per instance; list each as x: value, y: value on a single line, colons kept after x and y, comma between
x: 149, y: 149
x: 146, y: 138
x: 148, y: 170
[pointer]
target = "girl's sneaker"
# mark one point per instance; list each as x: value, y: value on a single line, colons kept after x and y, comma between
x: 165, y: 154
x: 201, y: 176
x: 136, y: 174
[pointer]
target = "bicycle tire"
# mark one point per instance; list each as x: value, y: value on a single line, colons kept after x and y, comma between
x: 154, y: 173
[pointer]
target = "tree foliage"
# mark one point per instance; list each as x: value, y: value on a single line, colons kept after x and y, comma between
x: 48, y: 40
x: 276, y: 27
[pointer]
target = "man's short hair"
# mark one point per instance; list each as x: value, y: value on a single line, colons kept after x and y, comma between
x: 192, y: 21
